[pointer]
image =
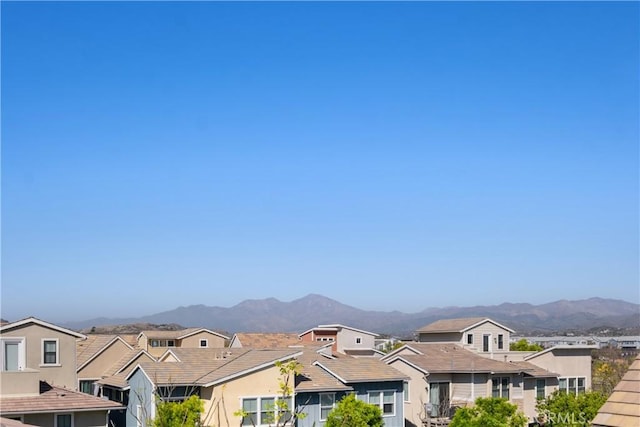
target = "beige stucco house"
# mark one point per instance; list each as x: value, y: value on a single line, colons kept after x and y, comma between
x: 157, y: 342
x: 345, y: 339
x: 479, y: 334
x: 38, y: 381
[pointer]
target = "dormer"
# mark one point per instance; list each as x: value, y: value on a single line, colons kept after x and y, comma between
x: 479, y: 334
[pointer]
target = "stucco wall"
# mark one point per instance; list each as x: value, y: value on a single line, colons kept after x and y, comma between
x: 96, y: 368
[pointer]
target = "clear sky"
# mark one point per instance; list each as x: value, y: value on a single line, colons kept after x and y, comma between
x: 392, y: 156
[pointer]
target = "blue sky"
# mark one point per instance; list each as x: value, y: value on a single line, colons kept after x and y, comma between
x: 393, y: 156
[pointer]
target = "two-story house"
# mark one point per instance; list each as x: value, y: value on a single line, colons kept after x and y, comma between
x: 345, y: 339
x: 38, y: 381
x: 479, y: 334
x: 157, y: 342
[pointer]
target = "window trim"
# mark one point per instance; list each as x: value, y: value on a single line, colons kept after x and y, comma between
x: 320, y: 407
x: 205, y: 341
x: 406, y: 393
x: 469, y: 338
x: 43, y: 362
x: 171, y: 343
x: 381, y: 393
x: 358, y: 340
x: 86, y: 380
x: 500, y: 341
x: 488, y: 338
x: 259, y: 407
x: 501, y: 389
x: 21, y: 352
x: 544, y: 388
x: 577, y: 389
x: 57, y: 414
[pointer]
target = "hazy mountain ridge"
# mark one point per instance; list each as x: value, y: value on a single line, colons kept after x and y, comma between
x: 272, y: 315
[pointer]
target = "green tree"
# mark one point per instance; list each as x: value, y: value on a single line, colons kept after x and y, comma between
x: 569, y: 409
x: 524, y: 345
x: 489, y: 412
x: 179, y: 414
x: 352, y: 412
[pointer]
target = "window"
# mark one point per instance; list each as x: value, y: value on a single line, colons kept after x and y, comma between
x: 500, y: 341
x: 405, y: 391
x: 12, y: 354
x: 64, y: 420
x: 358, y: 340
x: 268, y: 411
x: 204, y: 343
x: 50, y: 352
x: 486, y: 340
x: 385, y: 400
x: 86, y: 386
x: 155, y: 343
x: 439, y: 399
x: 500, y: 387
x: 171, y: 343
x: 572, y: 385
x: 469, y: 338
x: 540, y: 388
x: 327, y: 403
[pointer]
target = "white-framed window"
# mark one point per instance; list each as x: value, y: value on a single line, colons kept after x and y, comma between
x: 50, y: 352
x: 63, y: 420
x: 139, y: 415
x: 469, y: 338
x: 171, y: 343
x: 405, y: 391
x: 204, y: 343
x: 264, y: 410
x: 327, y: 403
x: 155, y: 343
x: 500, y: 387
x: 358, y: 340
x: 385, y: 399
x: 575, y: 385
x: 12, y: 354
x: 541, y: 385
x: 500, y: 341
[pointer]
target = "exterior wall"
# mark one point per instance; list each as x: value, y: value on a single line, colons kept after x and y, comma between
x: 221, y: 401
x: 311, y: 404
x: 23, y: 383
x: 347, y: 339
x: 142, y: 342
x: 313, y: 336
x: 414, y: 408
x: 80, y: 419
x: 62, y: 374
x: 193, y: 341
x: 490, y: 329
x: 466, y: 388
x: 569, y: 362
x: 396, y: 420
x: 452, y: 337
x: 105, y: 360
x: 140, y: 393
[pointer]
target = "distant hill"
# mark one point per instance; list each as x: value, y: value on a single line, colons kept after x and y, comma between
x: 272, y: 315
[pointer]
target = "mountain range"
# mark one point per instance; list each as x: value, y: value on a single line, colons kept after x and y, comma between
x: 272, y: 315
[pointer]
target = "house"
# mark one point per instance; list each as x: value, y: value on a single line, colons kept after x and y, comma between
x: 445, y: 376
x: 622, y: 408
x: 38, y: 380
x: 264, y: 340
x: 345, y: 339
x: 325, y: 380
x: 227, y: 380
x: 572, y: 363
x: 95, y: 356
x: 157, y: 342
x: 479, y: 334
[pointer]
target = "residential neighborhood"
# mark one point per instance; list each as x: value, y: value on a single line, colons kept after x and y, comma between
x: 55, y: 377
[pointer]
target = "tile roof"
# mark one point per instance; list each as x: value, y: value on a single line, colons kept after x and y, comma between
x: 179, y: 334
x: 86, y: 349
x: 125, y: 360
x: 451, y: 325
x: 315, y: 379
x: 7, y: 422
x: 450, y: 358
x: 622, y: 408
x: 55, y: 399
x: 206, y: 366
x: 33, y: 320
x: 267, y: 340
x: 360, y: 370
x: 534, y: 370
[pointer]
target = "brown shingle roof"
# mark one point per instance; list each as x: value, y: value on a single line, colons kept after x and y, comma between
x: 622, y: 408
x: 267, y: 340
x: 450, y: 358
x: 451, y: 325
x: 54, y: 399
